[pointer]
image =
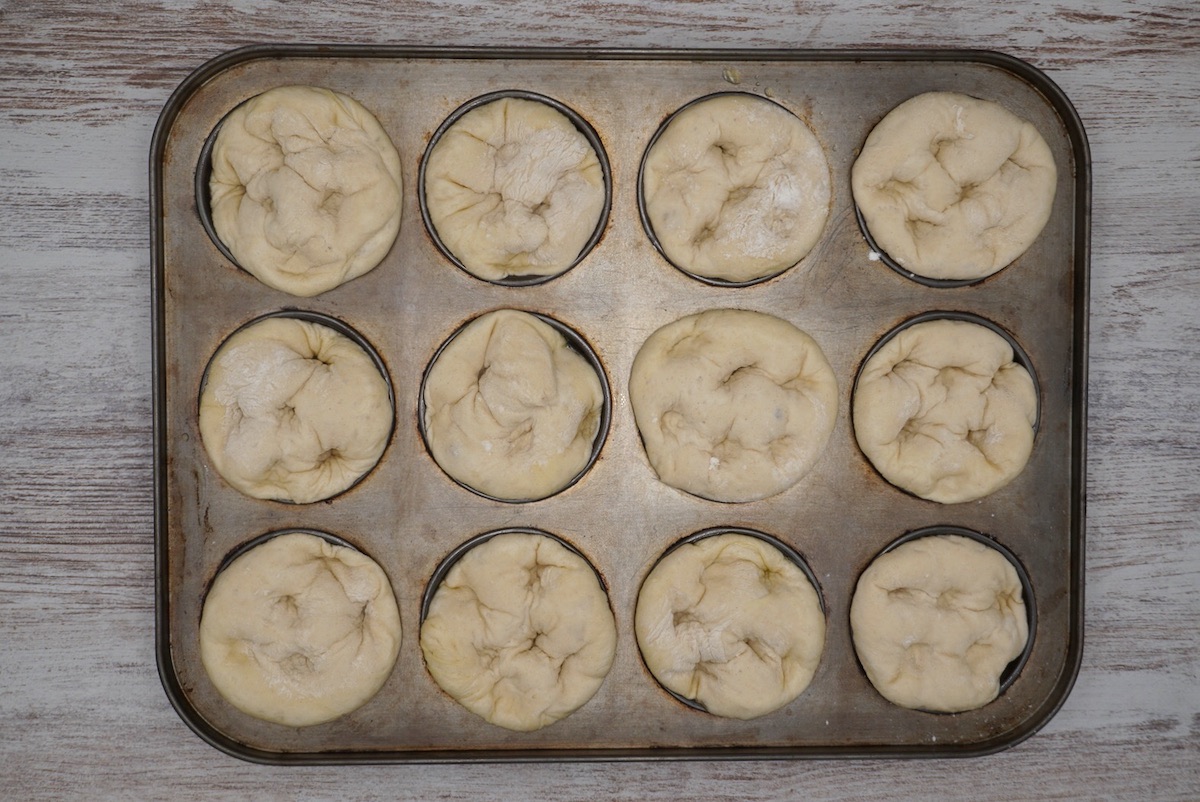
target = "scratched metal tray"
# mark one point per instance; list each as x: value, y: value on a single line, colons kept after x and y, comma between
x: 408, y: 515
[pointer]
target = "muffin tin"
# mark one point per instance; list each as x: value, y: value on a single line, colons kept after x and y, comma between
x: 408, y: 515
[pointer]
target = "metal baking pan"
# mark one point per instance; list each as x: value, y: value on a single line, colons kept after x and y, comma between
x: 408, y: 515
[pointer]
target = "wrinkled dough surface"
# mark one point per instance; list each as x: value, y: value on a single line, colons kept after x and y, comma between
x: 511, y: 409
x: 520, y: 632
x: 935, y: 622
x: 305, y: 189
x: 944, y: 412
x: 952, y: 187
x: 293, y: 411
x: 730, y: 622
x: 732, y: 405
x: 736, y: 188
x: 514, y: 189
x: 299, y: 631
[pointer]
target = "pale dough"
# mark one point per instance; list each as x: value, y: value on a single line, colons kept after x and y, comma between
x: 936, y: 620
x: 944, y: 412
x: 293, y: 411
x: 736, y: 188
x: 305, y: 189
x: 730, y: 622
x: 514, y: 189
x: 299, y: 631
x: 953, y: 187
x: 732, y: 405
x: 511, y: 409
x: 520, y: 631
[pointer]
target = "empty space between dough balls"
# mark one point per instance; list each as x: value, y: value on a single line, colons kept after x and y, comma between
x: 305, y: 189
x: 299, y: 631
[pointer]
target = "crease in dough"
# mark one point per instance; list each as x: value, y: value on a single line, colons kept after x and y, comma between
x: 511, y: 410
x: 943, y: 411
x: 293, y: 411
x: 519, y: 631
x: 736, y: 188
x: 936, y: 621
x: 730, y: 622
x: 953, y: 187
x: 513, y: 188
x: 305, y: 189
x: 732, y: 405
x: 299, y: 631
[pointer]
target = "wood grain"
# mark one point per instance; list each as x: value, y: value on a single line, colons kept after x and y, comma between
x: 82, y: 714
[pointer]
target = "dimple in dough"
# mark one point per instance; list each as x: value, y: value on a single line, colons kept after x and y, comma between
x: 944, y: 412
x: 519, y: 631
x: 732, y: 405
x: 299, y: 631
x: 730, y: 622
x: 511, y: 409
x: 293, y: 411
x: 936, y: 621
x: 953, y: 187
x: 305, y: 189
x: 736, y: 188
x: 514, y: 189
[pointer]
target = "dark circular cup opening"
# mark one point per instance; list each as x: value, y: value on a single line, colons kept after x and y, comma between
x: 788, y: 551
x: 583, y: 126
x: 341, y: 328
x: 204, y: 197
x: 936, y: 283
x: 577, y: 344
x: 1014, y: 667
x: 644, y: 214
x: 448, y: 562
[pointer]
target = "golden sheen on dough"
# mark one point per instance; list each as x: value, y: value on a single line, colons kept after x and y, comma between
x: 732, y: 623
x: 293, y: 411
x: 736, y: 188
x: 953, y: 187
x: 511, y: 409
x: 732, y: 405
x: 299, y: 631
x: 514, y: 189
x: 305, y: 189
x: 936, y: 620
x: 944, y: 412
x: 520, y: 631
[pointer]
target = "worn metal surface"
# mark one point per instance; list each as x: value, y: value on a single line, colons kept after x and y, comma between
x: 408, y: 515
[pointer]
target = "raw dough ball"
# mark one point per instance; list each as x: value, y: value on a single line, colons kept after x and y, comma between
x: 736, y: 188
x: 935, y: 622
x: 731, y: 623
x: 293, y: 411
x: 299, y: 631
x: 732, y: 405
x: 944, y: 412
x: 519, y: 631
x: 511, y: 410
x: 305, y: 189
x: 952, y: 187
x: 514, y: 189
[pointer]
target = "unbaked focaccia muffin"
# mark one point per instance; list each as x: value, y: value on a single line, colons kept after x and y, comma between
x: 736, y: 188
x: 299, y: 631
x: 732, y: 405
x: 953, y: 187
x: 305, y: 190
x: 514, y: 189
x: 936, y: 620
x: 519, y: 631
x: 510, y: 409
x: 293, y: 410
x: 732, y: 623
x: 943, y: 410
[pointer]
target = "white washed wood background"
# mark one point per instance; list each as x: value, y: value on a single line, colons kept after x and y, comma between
x: 82, y: 714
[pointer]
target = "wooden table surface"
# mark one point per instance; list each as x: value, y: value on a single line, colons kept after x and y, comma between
x: 82, y: 713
